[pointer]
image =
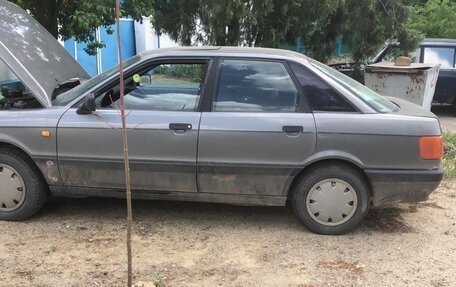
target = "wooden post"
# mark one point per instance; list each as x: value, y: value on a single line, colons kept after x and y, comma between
x: 125, y: 148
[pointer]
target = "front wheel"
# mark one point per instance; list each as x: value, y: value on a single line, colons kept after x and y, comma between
x: 331, y: 199
x: 22, y: 188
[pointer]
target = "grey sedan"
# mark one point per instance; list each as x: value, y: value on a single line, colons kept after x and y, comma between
x: 245, y: 126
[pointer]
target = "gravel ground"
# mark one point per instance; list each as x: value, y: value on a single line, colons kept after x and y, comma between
x: 81, y: 242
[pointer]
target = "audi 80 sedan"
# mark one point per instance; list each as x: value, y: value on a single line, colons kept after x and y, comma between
x: 244, y: 126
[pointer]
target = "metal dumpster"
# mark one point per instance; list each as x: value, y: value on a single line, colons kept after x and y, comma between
x: 414, y: 83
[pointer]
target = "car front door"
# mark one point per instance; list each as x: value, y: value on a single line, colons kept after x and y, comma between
x: 257, y: 131
x: 162, y: 102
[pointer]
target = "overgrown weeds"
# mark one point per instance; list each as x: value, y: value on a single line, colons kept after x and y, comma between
x: 449, y: 156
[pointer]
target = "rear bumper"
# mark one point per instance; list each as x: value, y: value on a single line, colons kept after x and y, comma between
x: 392, y: 186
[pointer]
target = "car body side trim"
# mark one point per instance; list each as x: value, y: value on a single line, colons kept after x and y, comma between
x: 237, y: 199
x: 239, y: 168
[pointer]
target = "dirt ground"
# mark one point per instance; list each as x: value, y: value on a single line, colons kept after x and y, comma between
x: 81, y: 242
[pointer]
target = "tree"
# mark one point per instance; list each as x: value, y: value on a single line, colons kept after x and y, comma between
x: 80, y: 18
x: 263, y: 23
x: 373, y: 22
x: 266, y: 23
x: 435, y: 19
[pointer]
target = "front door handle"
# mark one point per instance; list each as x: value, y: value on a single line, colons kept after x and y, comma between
x: 292, y: 129
x: 180, y: 126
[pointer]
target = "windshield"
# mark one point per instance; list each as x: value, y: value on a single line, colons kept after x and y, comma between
x: 69, y: 96
x: 373, y: 99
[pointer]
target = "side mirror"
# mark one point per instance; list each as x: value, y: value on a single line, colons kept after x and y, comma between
x: 146, y: 80
x: 88, y: 106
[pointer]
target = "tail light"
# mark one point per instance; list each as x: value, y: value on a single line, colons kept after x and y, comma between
x: 431, y: 147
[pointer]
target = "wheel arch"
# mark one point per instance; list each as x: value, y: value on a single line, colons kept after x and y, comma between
x: 5, y: 143
x: 341, y: 160
x: 19, y: 150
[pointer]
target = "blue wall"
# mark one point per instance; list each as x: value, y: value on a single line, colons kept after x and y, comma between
x: 107, y: 56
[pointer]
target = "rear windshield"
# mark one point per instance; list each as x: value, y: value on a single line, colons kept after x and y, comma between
x: 373, y: 99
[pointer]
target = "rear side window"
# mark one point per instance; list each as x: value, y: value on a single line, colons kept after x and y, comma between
x: 442, y: 56
x: 321, y: 96
x: 255, y: 86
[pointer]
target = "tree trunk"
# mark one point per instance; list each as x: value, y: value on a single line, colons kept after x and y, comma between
x: 234, y: 32
x: 46, y: 12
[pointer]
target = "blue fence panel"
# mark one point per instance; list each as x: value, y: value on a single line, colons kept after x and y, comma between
x: 89, y: 63
x: 127, y: 32
x: 69, y: 46
x: 107, y: 58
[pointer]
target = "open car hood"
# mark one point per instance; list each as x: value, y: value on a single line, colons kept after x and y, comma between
x: 33, y: 54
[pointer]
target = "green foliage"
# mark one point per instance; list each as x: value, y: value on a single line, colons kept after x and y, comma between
x: 238, y: 22
x: 159, y: 280
x: 80, y: 18
x: 266, y: 23
x: 435, y: 19
x: 376, y: 21
x: 449, y: 157
x: 260, y: 23
x: 192, y: 73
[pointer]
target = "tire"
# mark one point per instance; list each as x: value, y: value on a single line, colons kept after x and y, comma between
x: 23, y: 190
x: 331, y: 199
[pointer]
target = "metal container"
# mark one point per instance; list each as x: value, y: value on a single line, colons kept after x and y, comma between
x: 415, y: 83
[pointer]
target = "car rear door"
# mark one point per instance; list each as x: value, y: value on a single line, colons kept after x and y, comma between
x: 162, y: 104
x: 257, y: 130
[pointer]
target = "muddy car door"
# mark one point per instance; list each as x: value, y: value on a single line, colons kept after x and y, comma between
x: 162, y: 105
x: 257, y: 132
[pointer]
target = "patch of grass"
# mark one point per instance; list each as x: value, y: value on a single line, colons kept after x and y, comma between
x: 159, y: 280
x: 449, y: 156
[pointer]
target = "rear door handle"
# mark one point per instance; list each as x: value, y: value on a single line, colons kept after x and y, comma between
x: 180, y: 126
x: 292, y: 129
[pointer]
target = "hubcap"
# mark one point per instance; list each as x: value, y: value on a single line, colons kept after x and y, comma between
x: 12, y: 188
x: 331, y: 202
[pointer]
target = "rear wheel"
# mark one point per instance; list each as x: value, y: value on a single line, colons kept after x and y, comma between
x: 22, y: 189
x: 331, y: 199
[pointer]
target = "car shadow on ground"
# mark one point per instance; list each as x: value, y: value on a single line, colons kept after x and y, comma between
x: 201, y: 215
x: 109, y: 209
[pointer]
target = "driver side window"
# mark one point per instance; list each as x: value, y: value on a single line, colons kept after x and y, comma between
x: 166, y: 87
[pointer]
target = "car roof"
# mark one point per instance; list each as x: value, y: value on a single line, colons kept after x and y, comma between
x: 435, y: 42
x: 214, y: 51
